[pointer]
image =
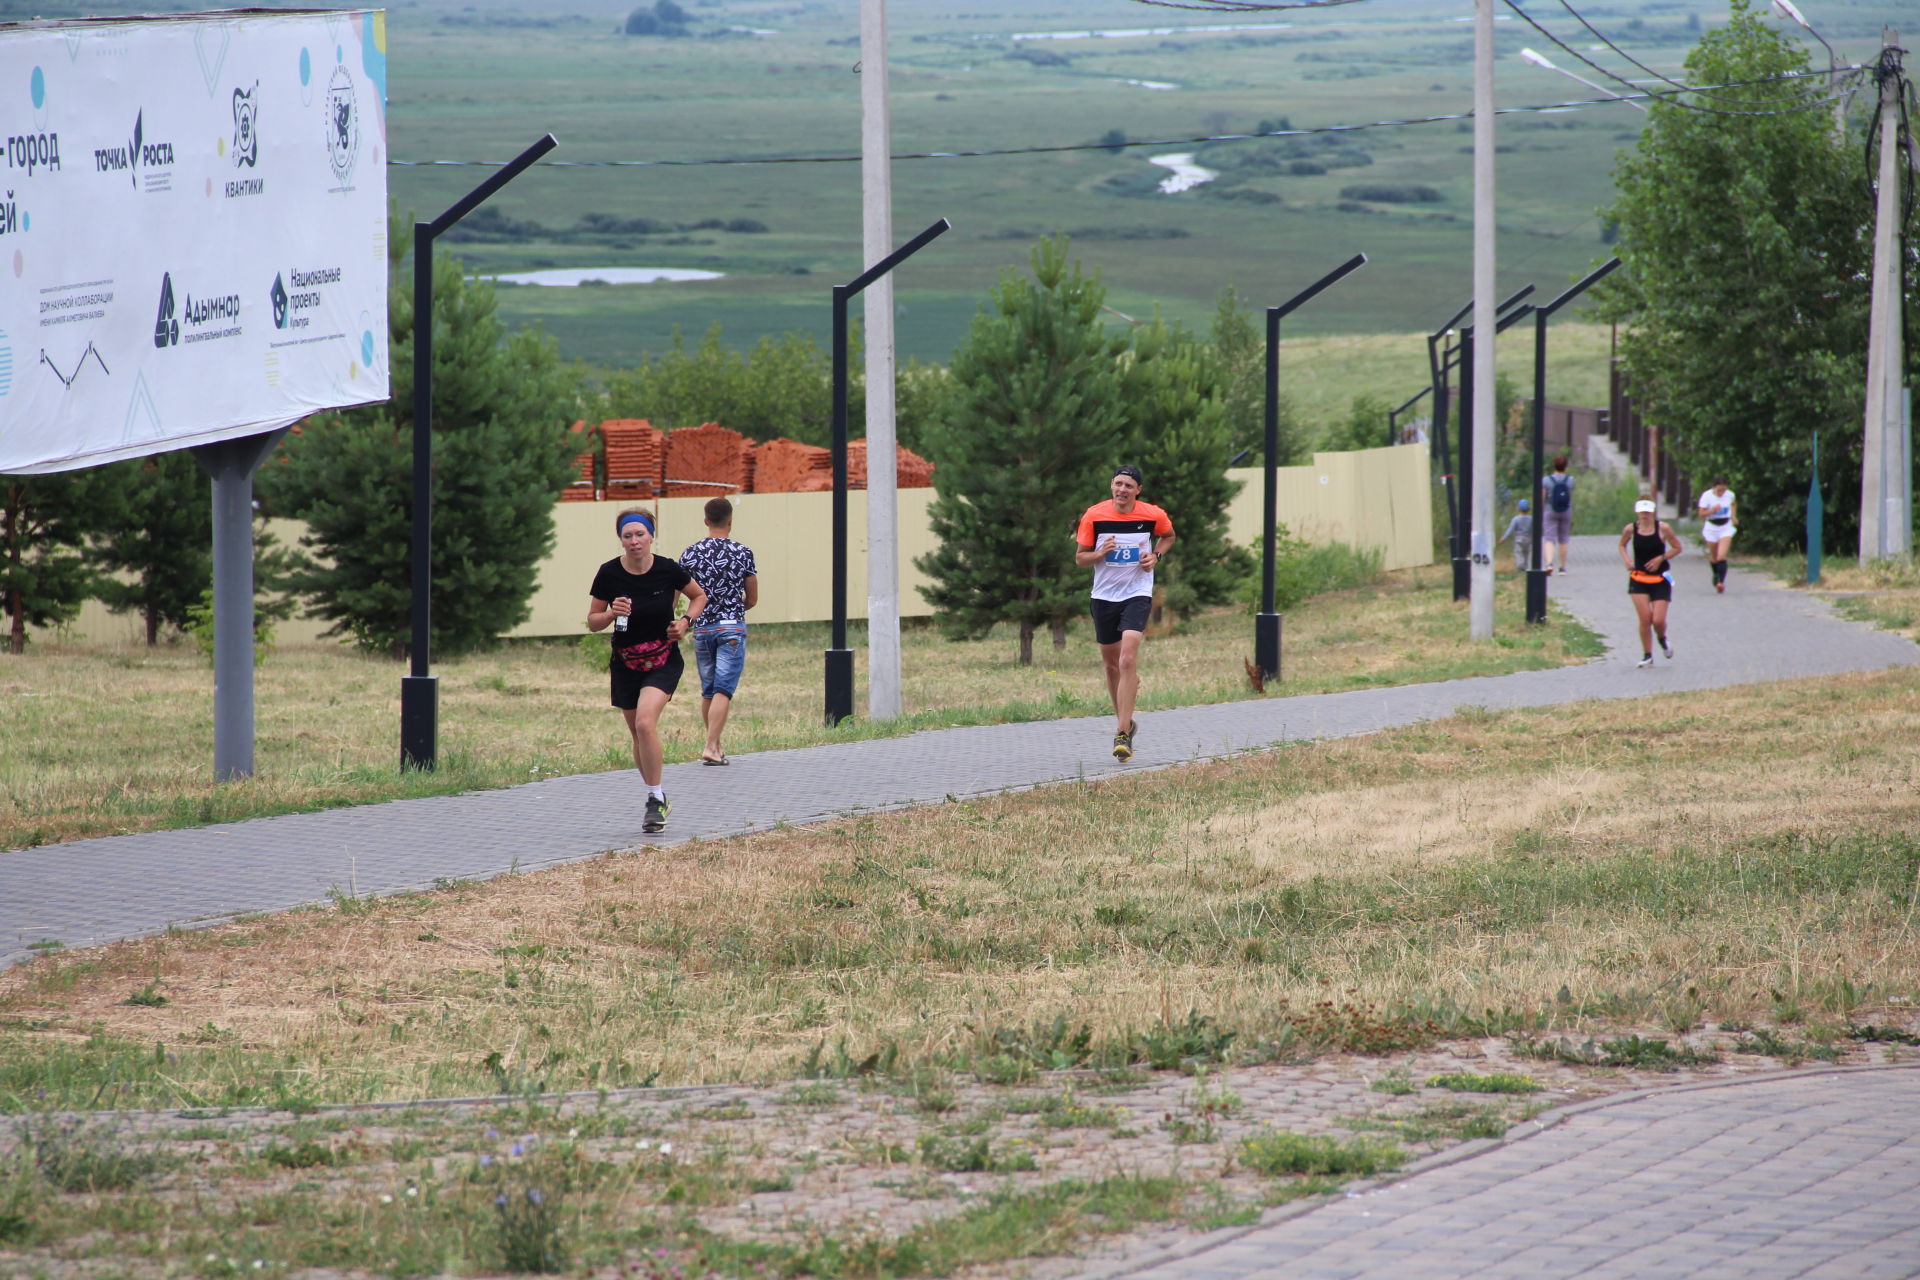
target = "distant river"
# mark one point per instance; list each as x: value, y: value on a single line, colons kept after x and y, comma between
x: 607, y: 275
x: 1186, y: 174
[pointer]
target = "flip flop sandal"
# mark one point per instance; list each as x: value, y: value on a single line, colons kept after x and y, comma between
x: 721, y: 760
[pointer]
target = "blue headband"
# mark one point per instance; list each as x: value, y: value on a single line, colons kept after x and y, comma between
x: 620, y: 522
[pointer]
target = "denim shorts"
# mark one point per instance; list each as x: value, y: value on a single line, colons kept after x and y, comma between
x: 720, y: 651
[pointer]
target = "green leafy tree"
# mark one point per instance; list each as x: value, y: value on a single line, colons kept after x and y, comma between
x: 1365, y: 426
x: 1175, y: 393
x: 157, y: 531
x: 783, y: 387
x: 1745, y: 239
x: 1036, y: 419
x: 1240, y: 347
x: 502, y: 453
x: 44, y: 575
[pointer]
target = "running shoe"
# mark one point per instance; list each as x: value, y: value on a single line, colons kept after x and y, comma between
x: 657, y: 811
x: 1666, y: 648
x: 1123, y: 747
x: 1646, y: 661
x: 1721, y: 587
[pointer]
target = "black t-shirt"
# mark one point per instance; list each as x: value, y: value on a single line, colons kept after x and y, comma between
x: 652, y: 594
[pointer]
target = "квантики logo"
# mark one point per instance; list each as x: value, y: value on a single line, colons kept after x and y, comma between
x: 166, y: 330
x: 246, y: 143
x: 343, y: 124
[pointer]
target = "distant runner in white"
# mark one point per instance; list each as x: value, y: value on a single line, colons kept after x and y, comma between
x: 1718, y: 514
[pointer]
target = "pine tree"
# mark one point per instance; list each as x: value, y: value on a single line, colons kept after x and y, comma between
x: 502, y: 453
x: 157, y: 528
x: 44, y: 576
x: 1034, y: 425
x: 1174, y: 389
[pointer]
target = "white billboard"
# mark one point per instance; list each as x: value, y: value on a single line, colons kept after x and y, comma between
x: 193, y: 229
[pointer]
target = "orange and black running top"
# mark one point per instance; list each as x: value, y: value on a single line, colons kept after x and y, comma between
x: 1119, y: 576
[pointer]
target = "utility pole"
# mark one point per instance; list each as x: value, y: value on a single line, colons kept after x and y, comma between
x: 876, y: 242
x: 1885, y: 525
x: 1485, y: 308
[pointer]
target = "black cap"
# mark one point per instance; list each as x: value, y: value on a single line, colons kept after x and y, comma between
x: 1130, y: 471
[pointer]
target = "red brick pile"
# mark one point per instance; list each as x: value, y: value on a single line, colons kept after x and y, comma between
x: 635, y: 458
x: 628, y: 459
x: 707, y: 461
x: 787, y: 466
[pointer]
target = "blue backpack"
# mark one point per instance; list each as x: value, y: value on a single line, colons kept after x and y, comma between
x: 1559, y: 493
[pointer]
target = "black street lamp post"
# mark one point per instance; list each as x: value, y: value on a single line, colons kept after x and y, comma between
x: 419, y: 695
x: 1266, y: 624
x: 1537, y: 573
x: 839, y: 659
x: 1459, y: 482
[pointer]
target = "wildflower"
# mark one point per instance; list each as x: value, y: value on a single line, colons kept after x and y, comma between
x: 385, y: 1199
x: 643, y: 1145
x: 493, y: 1133
x: 517, y: 1150
x: 413, y: 1191
x: 500, y: 1201
x: 666, y: 1148
x: 259, y: 1263
x: 534, y: 1196
x: 485, y: 1160
x: 573, y: 1133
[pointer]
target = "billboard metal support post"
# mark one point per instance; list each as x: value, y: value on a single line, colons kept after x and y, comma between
x: 1266, y: 624
x: 419, y: 693
x: 1537, y: 573
x: 232, y: 463
x: 839, y: 659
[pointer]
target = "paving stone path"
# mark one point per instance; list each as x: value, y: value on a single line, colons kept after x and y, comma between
x: 1807, y: 1175
x: 92, y: 891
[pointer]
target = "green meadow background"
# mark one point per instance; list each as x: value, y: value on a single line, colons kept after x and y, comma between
x: 482, y: 79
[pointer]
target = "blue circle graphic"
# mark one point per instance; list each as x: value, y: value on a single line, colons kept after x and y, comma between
x: 26, y: 222
x: 339, y: 54
x: 366, y: 347
x: 39, y: 88
x: 306, y: 67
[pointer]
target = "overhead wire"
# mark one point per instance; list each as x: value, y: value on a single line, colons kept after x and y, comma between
x: 1058, y: 148
x: 1671, y: 98
x: 1603, y: 39
x: 1245, y: 6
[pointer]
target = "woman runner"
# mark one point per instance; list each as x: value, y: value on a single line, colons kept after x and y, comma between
x: 1649, y: 584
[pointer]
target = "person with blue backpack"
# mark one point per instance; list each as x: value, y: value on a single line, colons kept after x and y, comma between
x: 1556, y: 509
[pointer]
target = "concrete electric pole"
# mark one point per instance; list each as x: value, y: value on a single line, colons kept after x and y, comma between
x: 1485, y: 308
x: 883, y: 518
x: 1885, y: 520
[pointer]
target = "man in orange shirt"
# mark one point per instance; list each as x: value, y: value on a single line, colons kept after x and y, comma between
x: 1122, y: 540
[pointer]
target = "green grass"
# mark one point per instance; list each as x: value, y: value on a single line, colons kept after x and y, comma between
x: 1494, y: 1082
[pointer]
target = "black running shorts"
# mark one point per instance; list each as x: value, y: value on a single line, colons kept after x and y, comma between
x: 628, y: 684
x: 1112, y: 617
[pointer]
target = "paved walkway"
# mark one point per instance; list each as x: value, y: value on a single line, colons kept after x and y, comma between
x: 1811, y: 1175
x: 92, y: 891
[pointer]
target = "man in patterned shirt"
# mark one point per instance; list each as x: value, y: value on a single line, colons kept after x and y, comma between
x: 1121, y: 540
x: 725, y: 569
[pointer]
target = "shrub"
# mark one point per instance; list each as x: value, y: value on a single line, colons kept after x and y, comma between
x: 1392, y: 193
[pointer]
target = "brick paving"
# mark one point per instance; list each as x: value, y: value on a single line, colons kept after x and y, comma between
x: 1812, y: 1174
x: 92, y: 891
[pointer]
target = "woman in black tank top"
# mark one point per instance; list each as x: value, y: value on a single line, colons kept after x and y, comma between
x: 1647, y: 549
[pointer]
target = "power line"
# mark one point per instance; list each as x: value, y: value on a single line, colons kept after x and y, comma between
x: 1057, y: 148
x: 1671, y: 98
x: 1603, y: 39
x: 1244, y: 6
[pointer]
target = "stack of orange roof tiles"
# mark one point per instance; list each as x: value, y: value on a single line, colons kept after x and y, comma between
x: 635, y: 455
x: 910, y: 470
x: 707, y: 461
x: 787, y: 466
x: 585, y: 488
